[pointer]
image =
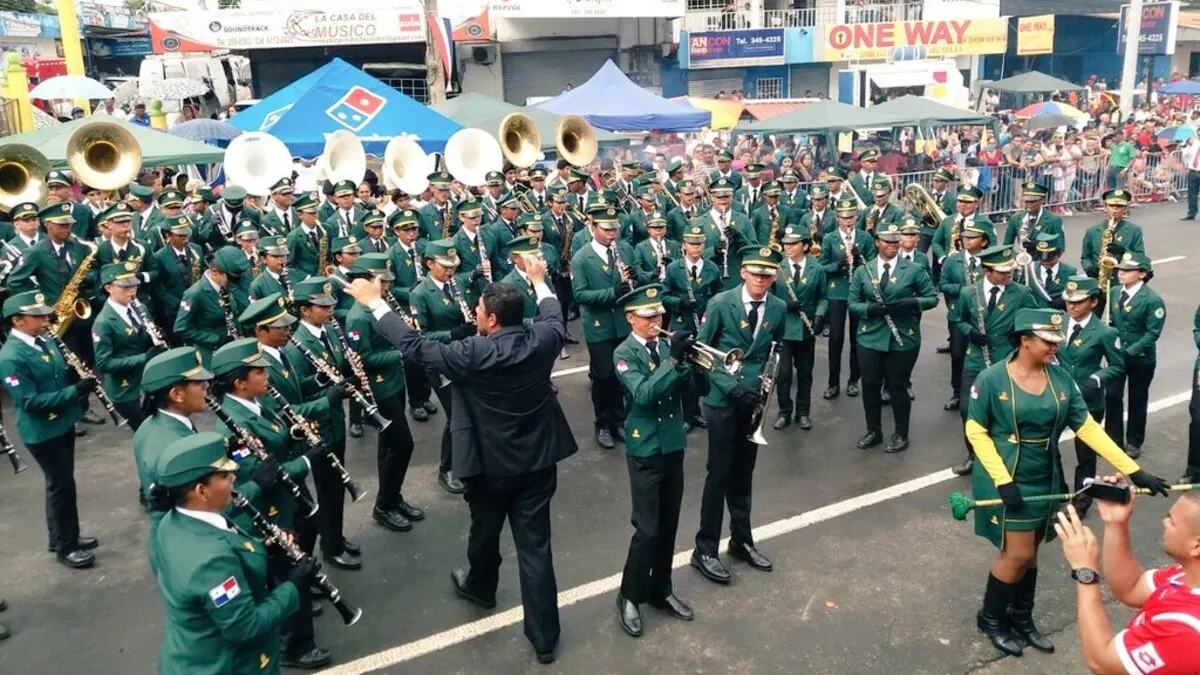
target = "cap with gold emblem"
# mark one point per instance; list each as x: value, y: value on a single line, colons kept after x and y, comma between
x: 523, y: 246
x: 120, y: 274
x: 1116, y: 197
x: 190, y: 458
x: 141, y: 192
x: 795, y: 235
x: 469, y: 207
x: 835, y: 173
x: 233, y: 195
x: 645, y: 301
x: 230, y: 260
x: 1033, y: 191
x: 847, y: 207
x: 373, y: 265
x: 404, y: 219
x: 998, y: 258
x: 943, y: 175
x: 967, y: 193
x: 306, y: 203
x: 605, y: 218
x: 177, y: 225
x: 345, y: 245
x: 537, y: 173
x: 675, y: 166
x: 59, y: 213
x: 494, y: 178
x: 283, y: 186
x: 789, y: 176
x: 241, y: 353
x: 508, y: 200
x: 29, y: 303
x: 531, y: 222
x: 910, y: 226
x: 721, y: 187
x: 819, y: 191
x: 246, y: 230
x: 772, y: 189
x: 203, y: 194
x: 314, y: 291
x: 1135, y: 260
x: 761, y: 260
x: 57, y: 178
x: 686, y: 187
x: 24, y: 210
x: 1047, y: 244
x: 273, y: 246
x: 881, y: 187
x: 268, y: 312
x: 181, y: 364
x: 120, y: 212
x: 443, y: 252
x: 724, y: 156
x: 889, y: 233
x: 1080, y: 288
x: 754, y: 170
x: 577, y: 175
x: 695, y: 235
x: 170, y: 198
x: 871, y: 155
x: 439, y: 180
x: 1047, y: 324
x: 373, y: 219
x: 343, y: 188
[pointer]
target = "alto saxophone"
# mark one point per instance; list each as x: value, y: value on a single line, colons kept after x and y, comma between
x: 194, y: 271
x: 773, y: 237
x: 872, y: 220
x: 568, y: 242
x: 1106, y: 261
x: 322, y: 252
x: 954, y: 235
x: 813, y: 223
x: 446, y: 222
x: 70, y: 306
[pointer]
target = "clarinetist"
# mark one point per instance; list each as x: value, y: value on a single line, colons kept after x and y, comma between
x: 123, y: 343
x: 207, y: 307
x: 277, y: 276
x: 408, y: 267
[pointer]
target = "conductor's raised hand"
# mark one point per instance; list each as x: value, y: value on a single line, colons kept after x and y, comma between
x: 364, y: 291
x: 535, y: 267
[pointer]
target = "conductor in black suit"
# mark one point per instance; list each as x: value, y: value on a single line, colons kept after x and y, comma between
x: 508, y: 432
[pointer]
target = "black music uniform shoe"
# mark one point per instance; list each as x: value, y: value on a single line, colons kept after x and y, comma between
x: 1134, y: 451
x: 314, y: 658
x: 604, y: 438
x: 413, y: 513
x: 804, y: 422
x: 418, y: 413
x: 951, y: 403
x: 852, y: 388
x: 629, y: 616
x: 872, y: 438
x: 392, y: 520
x: 92, y: 417
x: 965, y: 468
x: 351, y: 548
x: 450, y: 483
x: 699, y: 421
x: 898, y: 443
x: 85, y: 543
x: 675, y: 606
x: 430, y: 406
x: 78, y: 559
x: 782, y: 422
x: 711, y: 567
x: 545, y: 658
x: 750, y: 555
x: 355, y: 431
x: 345, y: 561
x: 458, y: 577
x: 832, y: 393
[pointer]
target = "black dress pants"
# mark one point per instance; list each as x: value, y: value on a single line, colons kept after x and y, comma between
x: 656, y: 487
x: 331, y: 494
x: 958, y: 355
x: 893, y: 369
x: 56, y: 457
x: 394, y: 450
x: 607, y: 401
x: 416, y: 382
x: 968, y: 381
x: 1124, y: 434
x: 838, y: 314
x: 1193, y: 454
x: 443, y: 397
x: 131, y: 411
x: 524, y: 501
x: 1085, y: 456
x: 797, y: 354
x: 297, y: 634
x: 729, y: 479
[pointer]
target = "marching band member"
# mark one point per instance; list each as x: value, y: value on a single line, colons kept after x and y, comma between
x: 1036, y: 219
x: 199, y: 202
x: 843, y: 251
x: 1138, y: 314
x: 968, y: 205
x: 205, y: 311
x: 438, y: 219
x: 493, y: 189
x: 724, y: 161
x: 218, y: 228
x: 468, y: 237
x: 27, y: 234
x: 1052, y: 273
x: 881, y: 211
x: 1124, y: 236
x: 749, y: 318
x: 408, y: 268
x: 769, y: 217
x: 370, y: 233
x: 120, y: 247
x: 961, y: 269
x: 691, y: 281
x: 633, y: 224
x: 654, y: 254
x: 653, y: 376
x: 910, y: 241
x: 498, y: 233
x: 123, y: 344
x: 945, y: 198
x: 59, y: 187
x: 247, y: 240
x: 679, y: 219
x: 1018, y: 409
x: 345, y: 251
x: 729, y: 231
x: 308, y: 244
x: 819, y: 221
x: 274, y: 252
x: 537, y: 194
x: 838, y: 192
x: 179, y: 264
x: 888, y: 294
x: 748, y: 197
x: 801, y: 284
x: 170, y: 205
x: 344, y: 219
x: 174, y: 384
x: 279, y: 218
x: 794, y: 200
x: 146, y: 214
x: 863, y: 182
x: 518, y: 249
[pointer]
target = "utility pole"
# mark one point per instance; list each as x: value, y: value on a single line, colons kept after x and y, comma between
x: 435, y: 78
x: 1133, y: 41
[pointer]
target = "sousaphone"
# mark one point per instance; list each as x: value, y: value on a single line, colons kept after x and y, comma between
x: 406, y: 166
x: 575, y: 140
x: 471, y: 154
x: 256, y: 161
x: 104, y: 155
x: 520, y: 140
x: 22, y: 172
x: 344, y: 157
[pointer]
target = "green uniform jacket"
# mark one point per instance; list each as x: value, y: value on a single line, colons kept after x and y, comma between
x: 891, y: 214
x: 46, y: 403
x: 120, y: 354
x: 221, y: 617
x: 907, y: 280
x: 40, y: 269
x: 676, y: 293
x: 714, y: 247
x: 334, y: 429
x: 325, y: 211
x: 1058, y: 280
x: 276, y: 503
x: 266, y: 283
x: 85, y: 222
x: 405, y: 270
x: 433, y: 225
x: 679, y: 220
x: 555, y: 233
x: 468, y: 251
x: 810, y: 292
x: 514, y: 279
x: 303, y: 254
x: 1046, y: 223
x: 271, y: 225
x: 172, y: 280
x: 143, y: 223
x: 647, y: 262
x: 337, y: 227
x: 136, y: 252
x: 19, y: 242
x: 765, y: 225
x: 1140, y: 323
x: 862, y: 184
x: 287, y: 380
x: 825, y: 224
x: 836, y: 262
x: 942, y: 246
x: 216, y: 220
x: 654, y: 423
x: 595, y: 286
x: 728, y: 327
x: 435, y: 312
x: 370, y: 245
x: 1082, y: 358
x: 999, y: 323
x: 633, y: 227
x: 1127, y: 234
x: 744, y: 203
x: 496, y: 237
x: 201, y: 318
x: 921, y: 259
x: 344, y: 300
x: 733, y: 177
x: 796, y: 204
x: 383, y: 362
x: 149, y: 441
x: 952, y: 281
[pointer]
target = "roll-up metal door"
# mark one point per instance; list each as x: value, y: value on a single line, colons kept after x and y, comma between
x: 547, y: 72
x: 709, y: 83
x: 814, y: 78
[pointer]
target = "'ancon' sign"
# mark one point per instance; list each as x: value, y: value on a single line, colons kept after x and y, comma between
x: 874, y: 41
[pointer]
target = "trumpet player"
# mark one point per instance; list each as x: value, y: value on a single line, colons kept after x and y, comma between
x: 308, y: 244
x: 769, y: 217
x: 882, y: 211
x: 749, y: 318
x: 961, y: 270
x: 1138, y: 314
x: 889, y: 294
x: 1035, y: 221
x: 122, y: 340
x: 408, y: 268
x: 654, y: 372
x: 48, y: 406
x: 206, y: 308
x: 801, y: 284
x: 842, y: 252
x: 1122, y: 236
x: 729, y: 231
x: 438, y: 219
x: 691, y: 281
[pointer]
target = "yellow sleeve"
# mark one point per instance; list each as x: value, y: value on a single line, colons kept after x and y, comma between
x: 986, y: 453
x: 1093, y: 434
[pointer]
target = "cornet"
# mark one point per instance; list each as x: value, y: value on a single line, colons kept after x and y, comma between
x: 706, y: 356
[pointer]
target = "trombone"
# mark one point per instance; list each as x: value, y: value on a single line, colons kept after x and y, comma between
x: 706, y: 356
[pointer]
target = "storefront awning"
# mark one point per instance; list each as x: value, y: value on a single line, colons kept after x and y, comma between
x: 762, y: 111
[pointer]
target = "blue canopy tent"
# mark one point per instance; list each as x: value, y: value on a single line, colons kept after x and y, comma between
x: 340, y: 96
x: 610, y: 100
x: 1185, y: 87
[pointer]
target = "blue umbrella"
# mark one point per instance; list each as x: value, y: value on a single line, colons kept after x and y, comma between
x: 1177, y: 134
x: 1186, y: 87
x: 205, y: 129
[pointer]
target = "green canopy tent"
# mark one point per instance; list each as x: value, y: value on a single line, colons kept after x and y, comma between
x: 1033, y: 82
x: 917, y: 111
x: 482, y: 112
x: 819, y: 116
x: 158, y: 148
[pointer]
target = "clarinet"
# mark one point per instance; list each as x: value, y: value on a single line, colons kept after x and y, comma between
x: 255, y: 446
x: 622, y: 268
x: 332, y: 377
x: 887, y: 318
x: 483, y: 255
x: 303, y: 428
x: 980, y: 317
x: 724, y: 247
x: 231, y: 328
x: 355, y: 361
x: 81, y: 369
x: 273, y: 535
x: 691, y: 296
x: 285, y: 280
x: 468, y: 315
x: 156, y: 336
x: 18, y: 464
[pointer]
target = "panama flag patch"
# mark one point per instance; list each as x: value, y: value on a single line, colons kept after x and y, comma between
x: 185, y: 305
x: 240, y: 454
x: 974, y: 392
x: 222, y: 593
x: 12, y: 382
x: 622, y: 366
x: 354, y: 335
x: 95, y: 337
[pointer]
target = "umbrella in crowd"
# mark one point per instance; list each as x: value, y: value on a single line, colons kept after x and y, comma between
x: 126, y: 93
x: 70, y: 86
x: 42, y: 119
x: 1052, y: 120
x: 1176, y: 134
x: 174, y: 88
x: 1184, y: 87
x: 1049, y: 108
x: 205, y: 129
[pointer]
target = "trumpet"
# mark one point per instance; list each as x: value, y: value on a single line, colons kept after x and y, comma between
x: 6, y: 445
x: 708, y: 357
x: 81, y: 369
x: 301, y: 428
x: 334, y: 378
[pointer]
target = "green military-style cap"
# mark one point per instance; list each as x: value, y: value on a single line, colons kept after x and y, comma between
x: 1116, y: 197
x: 470, y: 207
x: 230, y: 260
x: 345, y: 245
x: 881, y: 187
x: 724, y: 156
x: 61, y: 213
x: 373, y: 265
x: 439, y: 180
x: 537, y: 173
x: 523, y: 245
x: 835, y: 173
x: 273, y: 246
x: 910, y: 226
x: 648, y: 179
x: 645, y: 301
x: 246, y: 229
x: 283, y: 186
x: 647, y: 192
x: 494, y: 178
x: 531, y: 222
x: 604, y: 218
x: 120, y: 274
x: 789, y: 176
x: 24, y: 210
x: 1033, y: 191
x: 870, y: 155
x: 169, y: 198
x: 1080, y: 288
x: 998, y: 258
x: 967, y: 193
x: 241, y: 353
x: 686, y: 187
x: 182, y: 364
x: 695, y: 235
x: 508, y: 200
x: 139, y: 191
x: 404, y: 219
x: 754, y: 170
x: 1046, y: 324
x: 233, y: 195
x: 632, y: 165
x: 721, y: 187
x: 889, y: 233
x: 943, y: 175
x: 344, y: 187
x: 268, y: 312
x: 1135, y: 260
x: 314, y: 291
x: 795, y: 235
x: 119, y: 212
x: 772, y: 189
x: 559, y: 196
x: 761, y: 260
x: 1047, y: 244
x: 29, y: 303
x: 674, y: 166
x: 373, y: 219
x: 57, y: 178
x: 577, y: 174
x: 306, y: 203
x: 190, y: 458
x: 656, y: 220
x: 177, y: 225
x: 443, y: 252
x: 203, y: 194
x: 818, y: 191
x: 846, y: 207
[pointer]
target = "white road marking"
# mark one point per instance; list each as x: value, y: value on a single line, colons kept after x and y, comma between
x: 511, y: 617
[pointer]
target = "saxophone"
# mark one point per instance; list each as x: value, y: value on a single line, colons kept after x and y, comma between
x: 70, y: 306
x: 872, y: 220
x: 773, y: 237
x: 255, y: 267
x: 1106, y: 261
x: 322, y: 252
x: 194, y: 272
x: 813, y: 223
x: 954, y: 235
x: 446, y: 222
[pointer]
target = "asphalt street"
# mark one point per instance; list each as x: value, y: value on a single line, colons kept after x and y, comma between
x: 871, y: 573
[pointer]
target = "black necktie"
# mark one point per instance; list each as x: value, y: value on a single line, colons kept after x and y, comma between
x: 447, y: 293
x: 1075, y: 331
x: 378, y: 246
x: 974, y: 266
x: 133, y: 319
x: 325, y: 341
x: 1049, y: 276
x: 696, y: 273
x: 316, y: 243
x: 795, y: 275
x: 287, y: 220
x: 1124, y: 298
x: 612, y: 257
x: 883, y: 278
x: 41, y: 343
x: 123, y: 254
x: 754, y: 307
x: 63, y: 263
x: 993, y: 295
x: 652, y: 345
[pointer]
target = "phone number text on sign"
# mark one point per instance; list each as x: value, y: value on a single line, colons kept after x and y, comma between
x: 723, y: 49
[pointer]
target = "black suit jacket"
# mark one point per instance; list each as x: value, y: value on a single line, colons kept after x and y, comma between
x: 505, y: 420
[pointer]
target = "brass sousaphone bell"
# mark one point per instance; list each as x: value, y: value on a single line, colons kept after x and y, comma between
x: 575, y: 139
x: 104, y: 155
x: 520, y: 140
x: 22, y: 172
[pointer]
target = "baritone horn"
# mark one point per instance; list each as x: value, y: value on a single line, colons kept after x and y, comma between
x: 22, y: 174
x: 520, y: 140
x: 575, y: 140
x: 104, y: 155
x: 707, y: 357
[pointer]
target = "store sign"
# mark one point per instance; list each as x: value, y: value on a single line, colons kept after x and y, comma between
x: 736, y: 48
x: 876, y: 41
x: 1035, y: 35
x: 130, y: 46
x: 577, y: 9
x: 1160, y: 26
x: 308, y: 24
x: 22, y: 24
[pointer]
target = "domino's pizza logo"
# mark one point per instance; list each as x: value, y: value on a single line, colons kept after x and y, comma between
x: 272, y: 118
x: 357, y: 108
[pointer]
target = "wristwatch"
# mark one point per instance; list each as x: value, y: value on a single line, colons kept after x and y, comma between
x: 1085, y: 575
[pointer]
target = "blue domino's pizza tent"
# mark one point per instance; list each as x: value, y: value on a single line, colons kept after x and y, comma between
x: 610, y: 100
x: 340, y: 96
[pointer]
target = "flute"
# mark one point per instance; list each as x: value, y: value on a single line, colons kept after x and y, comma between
x: 303, y: 428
